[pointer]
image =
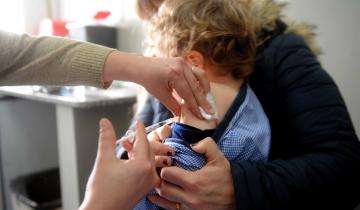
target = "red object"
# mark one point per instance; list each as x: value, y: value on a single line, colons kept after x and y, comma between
x: 59, y: 28
x: 49, y: 27
x: 101, y: 15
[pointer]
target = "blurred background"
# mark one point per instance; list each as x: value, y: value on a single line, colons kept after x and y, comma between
x: 114, y: 23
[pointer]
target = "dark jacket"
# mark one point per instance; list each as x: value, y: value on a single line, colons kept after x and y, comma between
x: 315, y: 154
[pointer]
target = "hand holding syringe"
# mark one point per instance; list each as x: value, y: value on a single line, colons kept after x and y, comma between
x: 130, y: 135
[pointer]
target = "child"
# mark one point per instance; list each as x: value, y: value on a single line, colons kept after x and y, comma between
x: 216, y: 36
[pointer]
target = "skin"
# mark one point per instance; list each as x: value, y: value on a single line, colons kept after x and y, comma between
x: 137, y: 176
x: 110, y: 174
x: 193, y: 189
x: 215, y: 185
x: 161, y: 77
x: 211, y: 187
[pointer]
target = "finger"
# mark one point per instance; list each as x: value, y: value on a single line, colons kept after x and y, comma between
x: 162, y: 161
x: 177, y: 97
x: 182, y: 89
x: 126, y: 145
x: 159, y: 148
x: 180, y: 81
x: 202, y: 78
x: 162, y: 202
x: 154, y: 137
x: 107, y: 138
x: 177, y: 176
x: 160, y: 134
x: 171, y: 192
x: 129, y: 137
x: 141, y: 147
x: 208, y: 147
x: 200, y: 87
x: 164, y: 132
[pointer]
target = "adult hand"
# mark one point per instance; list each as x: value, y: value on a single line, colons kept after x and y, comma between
x: 161, y: 151
x: 208, y: 188
x: 161, y: 76
x: 190, y: 83
x: 114, y: 183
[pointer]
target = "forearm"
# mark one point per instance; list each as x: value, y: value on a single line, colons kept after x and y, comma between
x: 93, y: 203
x: 27, y: 60
x: 128, y: 67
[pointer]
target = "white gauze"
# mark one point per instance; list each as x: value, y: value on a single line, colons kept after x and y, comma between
x: 211, y: 100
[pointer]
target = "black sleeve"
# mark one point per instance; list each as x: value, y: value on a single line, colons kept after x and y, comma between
x: 315, y: 155
x: 153, y: 111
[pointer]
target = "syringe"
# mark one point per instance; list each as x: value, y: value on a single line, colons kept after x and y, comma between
x: 130, y: 134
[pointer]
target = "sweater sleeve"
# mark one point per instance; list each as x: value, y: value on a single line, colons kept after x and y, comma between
x: 26, y: 60
x: 316, y: 154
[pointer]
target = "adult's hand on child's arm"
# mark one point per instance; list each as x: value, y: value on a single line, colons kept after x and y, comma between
x: 161, y: 76
x: 208, y: 188
x: 120, y: 184
x: 169, y: 74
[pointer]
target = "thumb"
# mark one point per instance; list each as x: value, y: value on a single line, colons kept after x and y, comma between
x: 207, y: 147
x: 141, y: 148
x: 107, y: 139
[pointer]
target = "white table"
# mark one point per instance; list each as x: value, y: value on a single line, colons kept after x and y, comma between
x: 77, y: 129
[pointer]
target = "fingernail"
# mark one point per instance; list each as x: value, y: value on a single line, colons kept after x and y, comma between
x: 102, y: 123
x: 170, y: 153
x: 165, y: 162
x: 209, y: 109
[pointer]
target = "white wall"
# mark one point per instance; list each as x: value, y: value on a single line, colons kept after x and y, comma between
x: 338, y: 35
x: 130, y: 31
x: 11, y: 16
x: 34, y: 12
x: 338, y: 32
x: 337, y: 21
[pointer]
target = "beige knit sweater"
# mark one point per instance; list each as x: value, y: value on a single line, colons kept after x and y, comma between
x: 26, y: 60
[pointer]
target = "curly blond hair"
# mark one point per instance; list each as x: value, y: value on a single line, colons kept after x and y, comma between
x: 220, y: 30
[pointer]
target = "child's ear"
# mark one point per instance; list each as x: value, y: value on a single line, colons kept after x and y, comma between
x: 195, y: 58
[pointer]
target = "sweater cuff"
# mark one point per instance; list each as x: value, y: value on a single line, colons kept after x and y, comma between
x: 88, y: 64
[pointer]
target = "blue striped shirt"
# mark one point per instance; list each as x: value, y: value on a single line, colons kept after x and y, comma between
x: 243, y: 134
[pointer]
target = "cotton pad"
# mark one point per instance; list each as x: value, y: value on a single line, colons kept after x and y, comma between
x: 211, y: 100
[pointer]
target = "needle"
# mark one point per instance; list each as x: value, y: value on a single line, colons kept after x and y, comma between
x: 130, y: 134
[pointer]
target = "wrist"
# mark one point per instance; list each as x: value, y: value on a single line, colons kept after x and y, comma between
x: 123, y: 66
x: 107, y: 201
